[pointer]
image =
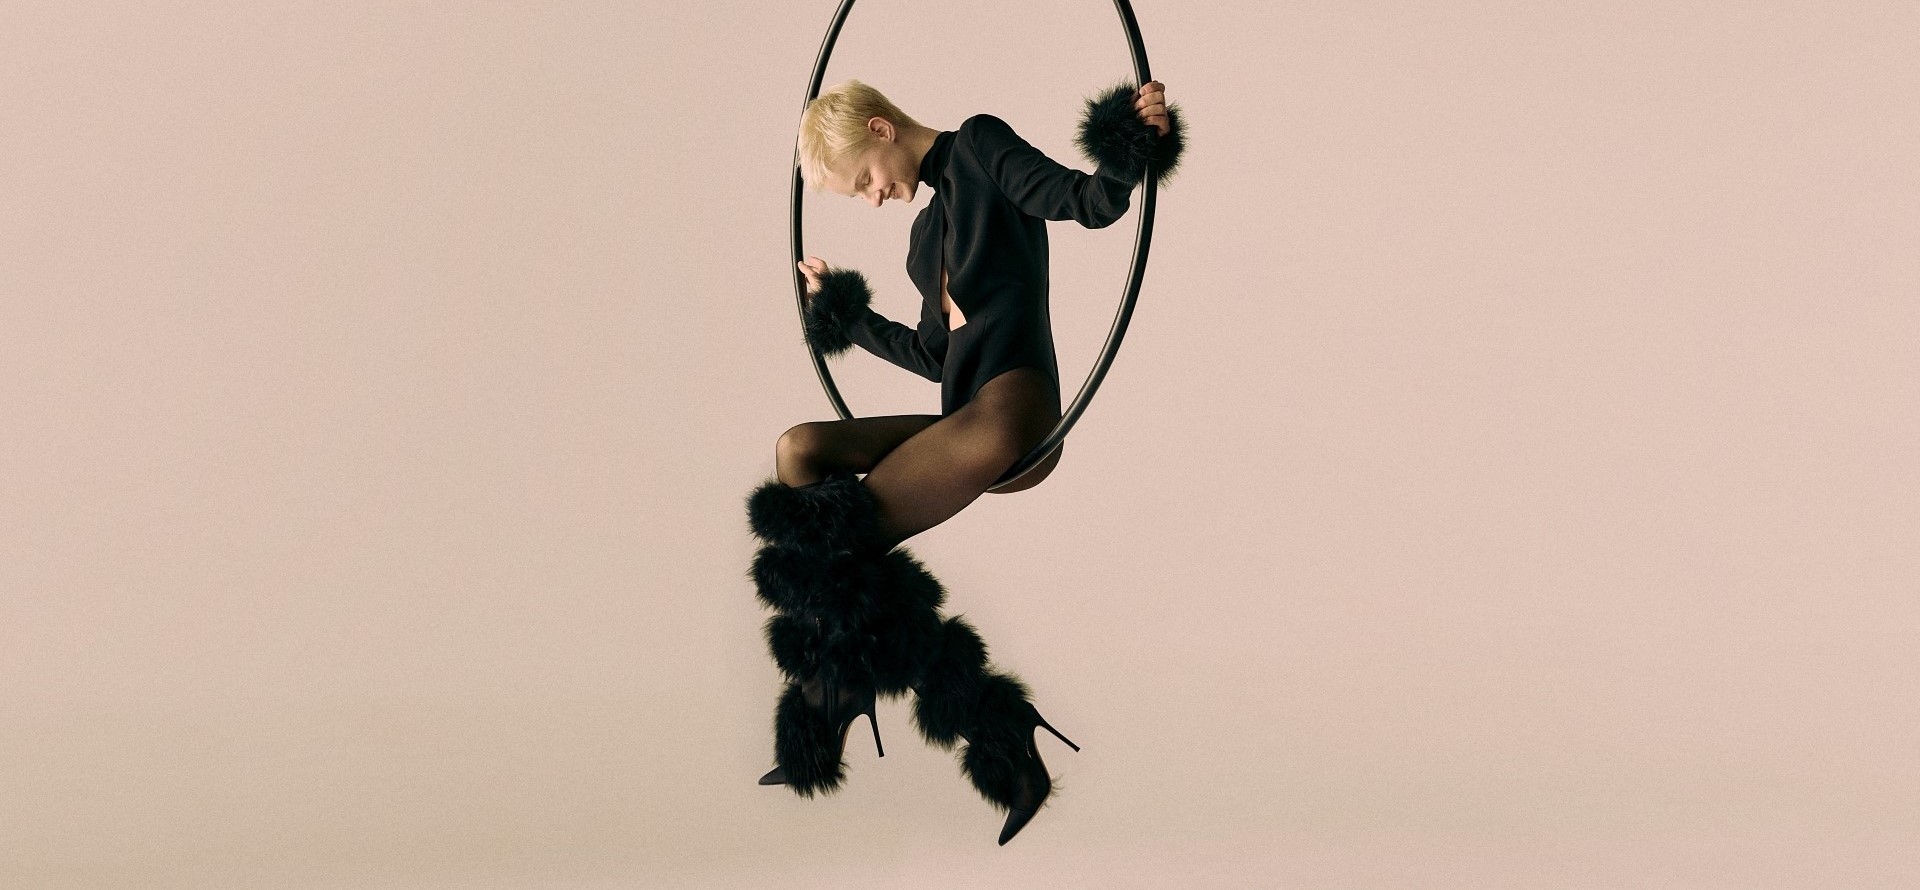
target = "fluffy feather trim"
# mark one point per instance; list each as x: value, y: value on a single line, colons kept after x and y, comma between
x: 1113, y: 136
x: 795, y: 644
x: 943, y: 705
x: 906, y: 621
x: 782, y: 578
x: 1000, y: 739
x: 836, y: 513
x: 859, y: 617
x: 806, y: 747
x: 843, y: 298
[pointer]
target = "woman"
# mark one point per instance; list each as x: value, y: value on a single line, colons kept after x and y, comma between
x: 856, y: 618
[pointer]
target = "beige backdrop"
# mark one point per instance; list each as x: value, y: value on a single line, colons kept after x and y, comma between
x: 1508, y: 481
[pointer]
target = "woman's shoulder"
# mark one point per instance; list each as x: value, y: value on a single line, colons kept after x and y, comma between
x: 985, y: 129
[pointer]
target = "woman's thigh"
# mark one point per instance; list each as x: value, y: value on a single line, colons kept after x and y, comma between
x: 940, y: 470
x: 1034, y: 476
x: 810, y: 451
x: 1025, y: 400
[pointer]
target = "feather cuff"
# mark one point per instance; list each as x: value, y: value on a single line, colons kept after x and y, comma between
x: 843, y: 298
x: 1113, y: 136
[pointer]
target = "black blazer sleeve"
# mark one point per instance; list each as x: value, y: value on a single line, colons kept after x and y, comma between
x: 894, y: 342
x: 1041, y: 186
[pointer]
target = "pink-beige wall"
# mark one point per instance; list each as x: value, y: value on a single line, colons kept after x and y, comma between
x: 1509, y: 479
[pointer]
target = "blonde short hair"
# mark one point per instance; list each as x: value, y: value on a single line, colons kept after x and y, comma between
x: 833, y: 128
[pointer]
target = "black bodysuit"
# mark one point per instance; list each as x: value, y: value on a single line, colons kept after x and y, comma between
x: 993, y: 193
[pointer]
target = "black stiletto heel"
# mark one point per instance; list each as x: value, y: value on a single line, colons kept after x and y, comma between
x: 1018, y: 817
x: 1056, y: 733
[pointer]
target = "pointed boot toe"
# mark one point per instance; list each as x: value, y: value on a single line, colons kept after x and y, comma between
x: 1016, y: 819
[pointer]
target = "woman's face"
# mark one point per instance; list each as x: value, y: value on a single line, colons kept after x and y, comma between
x: 886, y: 171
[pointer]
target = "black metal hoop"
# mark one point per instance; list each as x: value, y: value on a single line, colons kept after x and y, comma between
x: 1142, y: 239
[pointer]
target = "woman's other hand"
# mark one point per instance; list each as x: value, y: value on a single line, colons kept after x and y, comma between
x: 813, y: 267
x: 1152, y: 105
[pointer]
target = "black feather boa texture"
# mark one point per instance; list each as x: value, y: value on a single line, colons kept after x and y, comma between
x: 944, y: 699
x: 805, y: 746
x: 846, y: 610
x: 1113, y: 136
x: 856, y: 620
x: 999, y: 739
x: 834, y: 514
x: 844, y: 296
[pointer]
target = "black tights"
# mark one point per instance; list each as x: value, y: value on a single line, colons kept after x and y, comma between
x: 924, y: 468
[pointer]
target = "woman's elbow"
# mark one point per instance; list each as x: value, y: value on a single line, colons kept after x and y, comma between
x: 1107, y: 213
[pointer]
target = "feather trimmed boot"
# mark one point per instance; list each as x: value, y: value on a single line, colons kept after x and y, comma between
x: 851, y: 622
x: 960, y: 698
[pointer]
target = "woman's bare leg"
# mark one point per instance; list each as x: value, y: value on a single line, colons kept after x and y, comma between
x: 931, y: 476
x: 811, y: 451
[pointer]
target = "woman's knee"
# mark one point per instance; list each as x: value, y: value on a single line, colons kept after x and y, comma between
x: 799, y: 448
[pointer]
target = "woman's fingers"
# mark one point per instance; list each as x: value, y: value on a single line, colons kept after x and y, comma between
x: 1152, y: 105
x: 813, y: 267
